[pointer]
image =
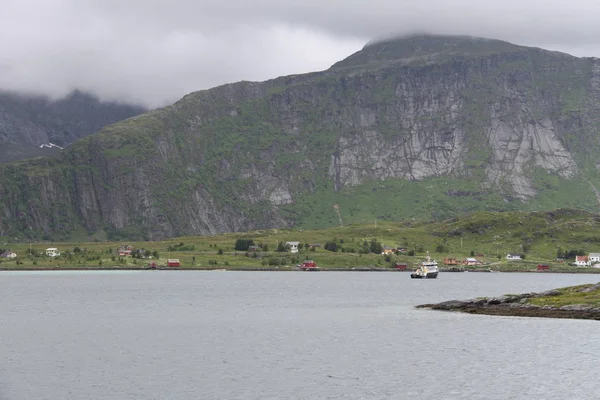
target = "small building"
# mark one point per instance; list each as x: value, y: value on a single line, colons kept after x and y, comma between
x: 173, y: 262
x: 52, y: 252
x: 594, y: 258
x: 450, y: 261
x: 9, y: 255
x: 309, y: 265
x: 582, y: 261
x: 292, y: 246
x: 401, y: 266
x: 543, y: 267
x: 513, y: 256
x: 388, y: 250
x: 125, y: 250
x: 314, y: 246
x: 471, y: 261
x: 253, y: 249
x: 402, y: 250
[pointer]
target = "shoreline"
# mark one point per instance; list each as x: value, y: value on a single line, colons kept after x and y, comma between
x: 290, y: 269
x: 521, y: 305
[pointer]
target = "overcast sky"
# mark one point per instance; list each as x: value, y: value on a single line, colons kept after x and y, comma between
x: 156, y: 51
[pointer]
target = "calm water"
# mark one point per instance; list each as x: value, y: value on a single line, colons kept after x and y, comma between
x: 267, y: 335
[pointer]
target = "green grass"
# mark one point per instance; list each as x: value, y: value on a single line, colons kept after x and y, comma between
x: 539, y: 235
x: 568, y: 296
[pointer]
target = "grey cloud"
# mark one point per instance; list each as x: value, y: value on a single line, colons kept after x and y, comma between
x: 154, y: 51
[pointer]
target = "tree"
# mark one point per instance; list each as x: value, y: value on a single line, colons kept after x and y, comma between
x: 220, y: 252
x: 331, y: 246
x: 243, y: 244
x: 281, y: 247
x: 560, y: 253
x: 375, y: 246
x: 472, y: 253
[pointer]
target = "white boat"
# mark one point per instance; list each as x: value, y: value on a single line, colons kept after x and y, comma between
x: 428, y: 269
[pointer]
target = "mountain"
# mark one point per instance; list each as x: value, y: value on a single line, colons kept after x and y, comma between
x: 419, y: 127
x: 33, y: 125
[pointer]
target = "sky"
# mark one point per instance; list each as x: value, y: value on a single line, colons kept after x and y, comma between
x: 153, y: 52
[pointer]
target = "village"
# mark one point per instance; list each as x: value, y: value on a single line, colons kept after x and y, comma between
x: 290, y: 254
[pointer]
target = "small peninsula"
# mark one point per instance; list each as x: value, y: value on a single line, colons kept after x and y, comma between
x: 576, y: 302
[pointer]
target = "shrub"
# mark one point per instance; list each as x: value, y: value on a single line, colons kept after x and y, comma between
x: 331, y: 246
x: 243, y: 244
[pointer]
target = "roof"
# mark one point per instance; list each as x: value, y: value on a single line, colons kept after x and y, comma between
x: 293, y: 243
x: 513, y: 255
x: 595, y: 255
x: 471, y: 259
x: 173, y: 260
x: 51, y: 248
x: 581, y: 258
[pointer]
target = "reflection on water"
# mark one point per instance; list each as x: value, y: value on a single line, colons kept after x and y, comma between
x: 286, y: 335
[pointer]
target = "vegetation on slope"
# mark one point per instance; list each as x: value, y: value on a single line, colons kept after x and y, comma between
x: 539, y: 236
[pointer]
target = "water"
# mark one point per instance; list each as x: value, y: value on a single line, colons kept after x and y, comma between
x: 288, y: 335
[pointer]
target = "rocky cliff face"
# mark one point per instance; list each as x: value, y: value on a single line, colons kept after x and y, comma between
x: 30, y: 125
x: 418, y: 127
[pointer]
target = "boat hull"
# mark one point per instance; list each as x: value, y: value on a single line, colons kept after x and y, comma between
x: 429, y: 275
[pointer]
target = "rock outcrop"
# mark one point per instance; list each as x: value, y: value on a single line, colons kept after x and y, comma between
x: 32, y: 126
x: 519, y: 305
x: 420, y: 127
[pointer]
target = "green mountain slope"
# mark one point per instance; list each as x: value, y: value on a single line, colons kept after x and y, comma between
x: 31, y: 124
x: 412, y: 128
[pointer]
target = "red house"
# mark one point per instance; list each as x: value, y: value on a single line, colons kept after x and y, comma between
x: 173, y: 262
x: 543, y: 267
x: 125, y: 250
x: 401, y: 266
x: 309, y: 265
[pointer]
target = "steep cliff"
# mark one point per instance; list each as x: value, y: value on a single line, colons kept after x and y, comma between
x: 418, y: 127
x: 30, y: 125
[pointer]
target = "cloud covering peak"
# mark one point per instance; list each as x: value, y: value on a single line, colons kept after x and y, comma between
x: 155, y: 51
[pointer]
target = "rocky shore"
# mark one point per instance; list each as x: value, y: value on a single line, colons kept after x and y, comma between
x: 580, y: 302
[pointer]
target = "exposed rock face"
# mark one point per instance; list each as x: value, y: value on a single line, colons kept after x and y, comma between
x: 28, y: 122
x: 445, y: 115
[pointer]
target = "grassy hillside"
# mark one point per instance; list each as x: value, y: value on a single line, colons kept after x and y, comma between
x: 540, y: 236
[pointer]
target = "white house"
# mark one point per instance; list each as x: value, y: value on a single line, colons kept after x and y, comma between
x: 582, y: 261
x: 472, y: 261
x: 293, y: 246
x: 52, y: 252
x: 9, y: 254
x: 594, y: 257
x: 511, y: 256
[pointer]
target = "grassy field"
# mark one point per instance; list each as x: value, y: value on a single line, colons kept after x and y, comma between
x: 582, y: 294
x: 540, y: 236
